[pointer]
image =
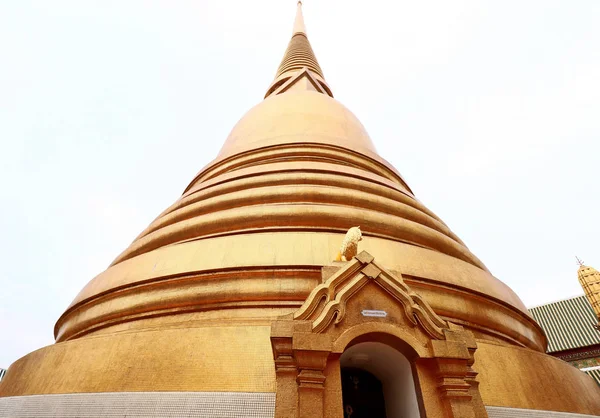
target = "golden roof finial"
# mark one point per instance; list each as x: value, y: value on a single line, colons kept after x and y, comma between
x: 299, y: 58
x: 589, y: 278
x: 299, y: 22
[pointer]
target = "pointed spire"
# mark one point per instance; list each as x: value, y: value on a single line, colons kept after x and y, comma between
x: 589, y: 278
x: 298, y: 58
x: 299, y: 22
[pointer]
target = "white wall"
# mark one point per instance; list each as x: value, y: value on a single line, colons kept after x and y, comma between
x: 141, y: 405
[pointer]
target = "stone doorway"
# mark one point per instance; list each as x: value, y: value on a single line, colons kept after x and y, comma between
x: 391, y: 379
x: 422, y: 361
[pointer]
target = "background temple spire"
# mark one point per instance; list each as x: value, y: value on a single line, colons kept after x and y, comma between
x: 589, y: 278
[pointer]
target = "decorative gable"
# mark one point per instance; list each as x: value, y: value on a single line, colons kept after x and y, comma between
x: 303, y: 80
x: 338, y: 313
x: 327, y: 302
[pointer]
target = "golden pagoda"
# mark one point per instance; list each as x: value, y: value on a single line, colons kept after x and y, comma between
x: 231, y: 303
x: 589, y: 278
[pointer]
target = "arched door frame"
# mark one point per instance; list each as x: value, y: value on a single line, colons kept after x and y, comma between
x: 307, y: 345
x: 389, y: 364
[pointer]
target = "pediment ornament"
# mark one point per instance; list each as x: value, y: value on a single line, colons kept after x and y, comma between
x: 327, y: 302
x: 302, y: 74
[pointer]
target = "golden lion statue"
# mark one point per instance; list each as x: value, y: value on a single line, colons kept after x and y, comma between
x: 349, y: 246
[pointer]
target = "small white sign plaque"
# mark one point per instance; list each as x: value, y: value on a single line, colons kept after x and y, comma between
x: 377, y: 314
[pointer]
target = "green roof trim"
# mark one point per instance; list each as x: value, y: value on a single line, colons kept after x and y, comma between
x: 568, y: 324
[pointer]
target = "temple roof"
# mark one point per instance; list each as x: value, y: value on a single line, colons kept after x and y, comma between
x: 568, y: 324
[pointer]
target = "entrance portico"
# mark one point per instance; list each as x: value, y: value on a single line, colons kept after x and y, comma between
x: 337, y: 322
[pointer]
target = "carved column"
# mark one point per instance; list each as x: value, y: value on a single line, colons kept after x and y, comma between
x: 459, y: 334
x: 453, y: 388
x: 471, y: 376
x: 455, y: 376
x: 311, y: 352
x: 311, y: 382
x: 286, y: 372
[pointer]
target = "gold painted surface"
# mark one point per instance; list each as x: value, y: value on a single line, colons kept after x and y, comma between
x: 307, y: 216
x: 489, y: 319
x: 228, y: 358
x: 298, y: 57
x: 589, y: 278
x: 299, y: 26
x: 520, y: 378
x: 240, y: 316
x: 297, y: 117
x: 177, y: 359
x: 230, y: 273
x: 246, y: 289
x: 340, y: 174
x: 305, y: 152
x: 299, y: 54
x: 293, y: 249
x: 298, y: 194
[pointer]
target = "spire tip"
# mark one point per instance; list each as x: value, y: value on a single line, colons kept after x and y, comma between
x: 299, y: 22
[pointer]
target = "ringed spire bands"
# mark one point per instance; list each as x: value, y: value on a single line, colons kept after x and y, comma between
x: 589, y: 278
x: 299, y: 57
x: 299, y: 54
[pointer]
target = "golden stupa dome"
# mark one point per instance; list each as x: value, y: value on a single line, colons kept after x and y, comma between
x: 253, y: 229
x: 298, y: 117
x: 295, y: 173
x: 198, y: 302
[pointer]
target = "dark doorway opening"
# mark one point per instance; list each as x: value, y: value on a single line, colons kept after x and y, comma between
x: 362, y: 394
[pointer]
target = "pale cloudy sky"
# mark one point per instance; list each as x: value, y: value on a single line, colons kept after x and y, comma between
x: 489, y: 109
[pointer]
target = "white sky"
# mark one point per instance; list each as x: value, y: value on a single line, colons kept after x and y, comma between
x: 489, y: 109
